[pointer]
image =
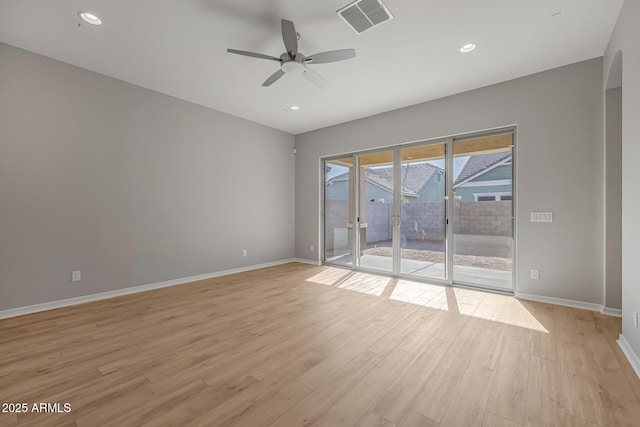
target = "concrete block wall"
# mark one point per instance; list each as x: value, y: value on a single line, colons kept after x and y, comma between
x: 483, y: 218
x: 422, y: 221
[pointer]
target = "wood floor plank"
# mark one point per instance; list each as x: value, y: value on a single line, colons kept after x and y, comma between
x: 469, y: 400
x: 490, y: 347
x: 416, y: 419
x: 270, y: 409
x: 154, y: 408
x: 571, y: 421
x: 321, y: 373
x: 8, y: 419
x: 315, y: 405
x: 620, y: 412
x: 507, y: 394
x: 610, y: 375
x: 90, y: 396
x: 233, y: 409
x: 355, y: 403
x: 433, y: 399
x: 397, y: 398
x: 548, y: 393
x: 189, y: 410
x: 587, y: 402
x: 493, y: 420
x: 374, y: 420
x: 626, y: 367
x: 296, y: 345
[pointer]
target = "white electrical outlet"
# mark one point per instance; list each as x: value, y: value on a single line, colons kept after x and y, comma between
x: 535, y: 274
x: 76, y: 276
x: 311, y: 248
x: 244, y: 252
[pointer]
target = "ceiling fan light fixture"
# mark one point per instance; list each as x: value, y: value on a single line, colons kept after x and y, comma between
x: 90, y: 18
x: 467, y: 48
x: 293, y: 67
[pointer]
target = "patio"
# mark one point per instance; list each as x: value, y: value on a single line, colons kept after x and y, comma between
x: 434, y: 270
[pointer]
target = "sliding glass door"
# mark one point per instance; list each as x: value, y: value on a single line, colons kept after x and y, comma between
x: 338, y: 225
x: 359, y: 210
x: 483, y: 211
x: 375, y: 210
x: 441, y: 211
x: 423, y: 215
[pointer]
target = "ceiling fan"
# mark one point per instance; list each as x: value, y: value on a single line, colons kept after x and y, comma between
x: 294, y: 62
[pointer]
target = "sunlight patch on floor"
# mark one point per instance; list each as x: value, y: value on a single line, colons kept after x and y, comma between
x: 512, y: 312
x: 366, y: 283
x: 421, y: 294
x: 329, y: 276
x: 482, y: 305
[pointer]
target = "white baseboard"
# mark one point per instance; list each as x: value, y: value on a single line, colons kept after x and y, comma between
x: 633, y: 358
x: 611, y: 311
x: 571, y: 303
x: 307, y: 261
x: 135, y: 289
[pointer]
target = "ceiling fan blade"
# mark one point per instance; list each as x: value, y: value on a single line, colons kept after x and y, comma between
x: 273, y: 78
x: 289, y: 37
x: 315, y: 78
x: 253, y: 54
x: 331, y: 56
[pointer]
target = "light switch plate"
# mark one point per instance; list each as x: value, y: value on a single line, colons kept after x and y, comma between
x: 76, y: 276
x: 541, y: 216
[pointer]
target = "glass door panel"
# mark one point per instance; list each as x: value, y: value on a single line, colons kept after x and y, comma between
x: 338, y: 210
x: 423, y: 211
x: 375, y: 211
x: 483, y: 211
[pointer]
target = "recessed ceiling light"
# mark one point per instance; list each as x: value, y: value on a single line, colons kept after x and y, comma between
x: 294, y: 108
x: 467, y: 48
x: 90, y: 18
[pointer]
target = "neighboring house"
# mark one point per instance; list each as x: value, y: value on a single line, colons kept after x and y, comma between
x: 485, y: 177
x: 420, y: 182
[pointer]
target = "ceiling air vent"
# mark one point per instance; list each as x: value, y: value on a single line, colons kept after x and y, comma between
x: 363, y: 15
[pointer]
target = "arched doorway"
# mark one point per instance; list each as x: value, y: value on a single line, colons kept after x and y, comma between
x: 613, y: 185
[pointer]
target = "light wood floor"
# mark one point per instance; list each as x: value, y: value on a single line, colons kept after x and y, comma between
x: 298, y: 345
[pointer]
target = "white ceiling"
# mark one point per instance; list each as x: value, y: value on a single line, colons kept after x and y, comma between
x: 178, y: 47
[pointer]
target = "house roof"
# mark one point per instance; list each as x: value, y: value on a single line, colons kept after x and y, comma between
x: 480, y: 163
x: 414, y: 177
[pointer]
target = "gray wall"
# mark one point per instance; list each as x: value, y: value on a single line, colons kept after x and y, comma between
x: 625, y: 38
x: 130, y: 186
x: 559, y: 150
x: 613, y: 198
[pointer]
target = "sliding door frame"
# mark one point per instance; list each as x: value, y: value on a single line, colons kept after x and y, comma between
x: 397, y: 209
x: 499, y: 131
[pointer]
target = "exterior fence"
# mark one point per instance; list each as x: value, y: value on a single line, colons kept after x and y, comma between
x: 420, y: 221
